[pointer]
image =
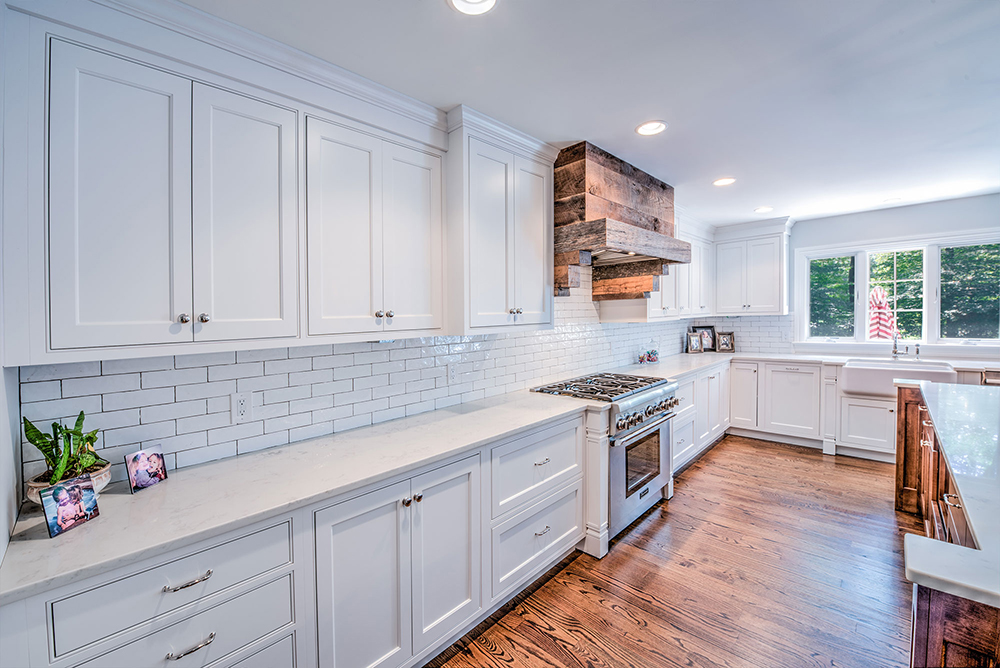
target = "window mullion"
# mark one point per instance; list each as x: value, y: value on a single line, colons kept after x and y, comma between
x: 861, y: 296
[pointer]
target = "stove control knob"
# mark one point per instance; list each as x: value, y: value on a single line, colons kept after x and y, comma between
x: 650, y: 410
x: 621, y: 424
x: 633, y: 419
x: 639, y: 418
x: 663, y: 405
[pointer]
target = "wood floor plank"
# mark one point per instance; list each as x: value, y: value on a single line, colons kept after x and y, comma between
x: 768, y: 555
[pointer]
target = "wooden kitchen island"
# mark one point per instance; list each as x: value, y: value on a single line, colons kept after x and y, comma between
x: 948, y: 473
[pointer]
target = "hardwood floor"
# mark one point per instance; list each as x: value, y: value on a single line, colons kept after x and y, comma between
x: 768, y: 555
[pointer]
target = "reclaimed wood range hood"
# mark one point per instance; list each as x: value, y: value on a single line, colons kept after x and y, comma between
x: 616, y: 218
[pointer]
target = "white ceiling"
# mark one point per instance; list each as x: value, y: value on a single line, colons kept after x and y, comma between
x: 816, y: 107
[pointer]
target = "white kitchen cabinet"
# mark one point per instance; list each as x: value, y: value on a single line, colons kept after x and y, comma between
x: 682, y: 436
x: 709, y: 420
x: 869, y: 424
x: 399, y: 568
x: 119, y: 227
x: 683, y: 284
x: 374, y: 233
x: 764, y: 275
x: 702, y: 278
x: 721, y: 422
x: 751, y: 275
x: 790, y: 399
x: 500, y: 227
x: 245, y: 218
x: 730, y: 285
x: 829, y: 408
x: 744, y: 395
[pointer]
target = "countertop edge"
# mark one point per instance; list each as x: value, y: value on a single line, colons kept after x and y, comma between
x: 920, y: 554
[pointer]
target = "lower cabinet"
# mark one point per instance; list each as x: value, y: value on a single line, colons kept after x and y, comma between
x: 869, y: 424
x: 711, y: 400
x: 683, y: 439
x: 790, y: 396
x: 951, y: 631
x: 398, y: 568
x: 743, y: 397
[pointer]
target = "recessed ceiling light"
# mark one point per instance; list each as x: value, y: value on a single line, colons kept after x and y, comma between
x: 892, y: 199
x: 473, y: 7
x: 651, y: 128
x: 724, y: 181
x: 764, y: 209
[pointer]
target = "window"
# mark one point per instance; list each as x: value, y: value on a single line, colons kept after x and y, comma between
x: 831, y: 297
x: 901, y: 275
x: 970, y: 292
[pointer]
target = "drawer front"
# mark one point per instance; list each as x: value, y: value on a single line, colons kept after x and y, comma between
x: 235, y: 623
x: 682, y: 437
x: 955, y: 521
x: 684, y: 395
x: 95, y: 614
x: 279, y: 655
x: 528, y: 468
x: 536, y: 535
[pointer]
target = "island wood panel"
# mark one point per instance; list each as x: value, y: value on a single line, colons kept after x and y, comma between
x: 908, y: 433
x: 953, y: 632
x: 793, y: 561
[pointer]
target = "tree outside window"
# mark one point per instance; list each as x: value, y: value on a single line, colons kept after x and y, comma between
x: 831, y: 297
x: 901, y: 275
x: 970, y: 292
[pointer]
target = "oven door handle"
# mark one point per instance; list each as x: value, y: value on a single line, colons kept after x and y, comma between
x: 656, y: 424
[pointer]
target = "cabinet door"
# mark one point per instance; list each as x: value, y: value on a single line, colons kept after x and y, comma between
x: 702, y: 420
x: 695, y: 278
x: 791, y: 400
x: 708, y: 279
x: 668, y: 292
x: 764, y: 274
x: 724, y: 397
x: 491, y: 219
x: 447, y: 551
x: 714, y: 404
x: 533, y: 229
x: 868, y: 423
x: 343, y: 228
x: 683, y: 439
x: 730, y: 286
x: 412, y: 246
x: 363, y: 581
x: 244, y: 202
x: 683, y: 289
x: 119, y: 201
x: 743, y: 402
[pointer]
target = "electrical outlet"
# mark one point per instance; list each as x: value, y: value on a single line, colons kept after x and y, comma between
x: 786, y: 337
x: 452, y: 373
x: 242, y: 407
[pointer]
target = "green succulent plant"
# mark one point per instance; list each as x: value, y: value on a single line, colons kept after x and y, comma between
x: 68, y: 452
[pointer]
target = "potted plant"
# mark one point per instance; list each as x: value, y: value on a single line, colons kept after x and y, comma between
x: 68, y: 453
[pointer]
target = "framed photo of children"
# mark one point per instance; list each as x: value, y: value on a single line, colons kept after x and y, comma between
x: 69, y: 504
x: 694, y: 342
x: 725, y: 342
x: 707, y: 334
x: 145, y: 468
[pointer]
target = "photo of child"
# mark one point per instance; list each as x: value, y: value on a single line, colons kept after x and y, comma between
x: 145, y: 468
x: 69, y: 504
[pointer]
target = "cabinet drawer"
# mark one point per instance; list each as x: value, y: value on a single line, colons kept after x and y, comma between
x: 235, y: 623
x: 92, y: 615
x: 278, y: 655
x: 683, y: 438
x: 684, y: 395
x: 956, y: 524
x: 536, y: 535
x: 528, y: 468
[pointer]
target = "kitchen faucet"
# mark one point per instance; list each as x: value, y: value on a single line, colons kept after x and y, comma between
x: 896, y: 354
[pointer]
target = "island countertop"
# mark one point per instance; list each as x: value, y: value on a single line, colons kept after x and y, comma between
x: 967, y: 422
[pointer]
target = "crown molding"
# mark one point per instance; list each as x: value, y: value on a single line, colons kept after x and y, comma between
x: 755, y: 229
x: 462, y: 117
x: 687, y: 224
x: 187, y: 20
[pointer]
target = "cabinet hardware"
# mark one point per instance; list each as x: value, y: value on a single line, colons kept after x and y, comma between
x: 892, y: 410
x: 951, y: 503
x: 205, y: 643
x: 925, y: 443
x: 407, y: 501
x: 167, y: 589
x: 543, y: 462
x: 544, y: 531
x: 512, y: 311
x: 204, y: 317
x: 791, y: 368
x: 927, y: 423
x: 922, y: 409
x: 519, y: 311
x: 379, y: 314
x: 390, y: 314
x: 184, y: 318
x: 418, y: 497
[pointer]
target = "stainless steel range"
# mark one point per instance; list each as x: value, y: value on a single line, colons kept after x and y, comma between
x: 639, y: 434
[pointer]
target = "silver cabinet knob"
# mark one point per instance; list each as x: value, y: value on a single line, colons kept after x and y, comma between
x: 379, y: 314
x: 184, y: 318
x: 519, y: 311
x: 204, y: 317
x: 512, y: 311
x: 407, y: 501
x: 390, y: 314
x: 418, y: 497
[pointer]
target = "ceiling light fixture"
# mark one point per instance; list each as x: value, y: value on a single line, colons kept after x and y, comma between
x: 650, y: 128
x: 726, y: 181
x: 472, y: 7
x: 764, y: 209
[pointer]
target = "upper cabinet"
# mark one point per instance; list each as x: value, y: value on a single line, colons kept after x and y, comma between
x: 751, y: 273
x: 500, y: 202
x: 374, y: 233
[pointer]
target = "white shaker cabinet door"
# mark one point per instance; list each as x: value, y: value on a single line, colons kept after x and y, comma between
x: 363, y: 581
x: 119, y: 225
x: 533, y: 230
x: 791, y: 400
x: 730, y: 287
x: 447, y: 545
x: 412, y: 245
x: 764, y: 273
x: 743, y: 403
x: 491, y: 219
x: 245, y: 213
x: 344, y: 229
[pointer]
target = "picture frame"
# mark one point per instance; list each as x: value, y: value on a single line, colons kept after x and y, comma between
x: 68, y: 504
x: 145, y: 468
x: 707, y: 333
x: 725, y: 342
x: 694, y: 342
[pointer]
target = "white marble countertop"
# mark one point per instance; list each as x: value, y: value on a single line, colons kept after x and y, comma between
x: 967, y: 421
x: 203, y: 501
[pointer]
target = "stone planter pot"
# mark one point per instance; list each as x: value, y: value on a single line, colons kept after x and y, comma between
x: 100, y: 478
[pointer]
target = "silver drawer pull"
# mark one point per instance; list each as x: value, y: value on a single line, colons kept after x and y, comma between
x: 205, y: 643
x: 923, y: 442
x: 951, y: 503
x: 791, y: 368
x: 927, y: 423
x: 922, y: 409
x: 543, y: 462
x: 544, y: 531
x: 167, y: 589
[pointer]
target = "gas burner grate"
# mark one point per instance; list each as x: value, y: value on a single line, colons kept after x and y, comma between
x: 601, y: 386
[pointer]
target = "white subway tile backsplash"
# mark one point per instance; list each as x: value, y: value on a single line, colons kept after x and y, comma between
x: 43, y: 391
x: 233, y: 371
x: 80, y: 387
x: 119, y: 400
x: 109, y: 367
x: 174, y: 377
x: 203, y: 359
x: 59, y: 371
x: 173, y: 411
x: 205, y: 390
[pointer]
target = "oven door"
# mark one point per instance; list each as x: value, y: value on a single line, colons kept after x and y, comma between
x: 639, y: 466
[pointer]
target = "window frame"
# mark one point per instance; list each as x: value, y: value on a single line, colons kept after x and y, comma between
x: 931, y: 340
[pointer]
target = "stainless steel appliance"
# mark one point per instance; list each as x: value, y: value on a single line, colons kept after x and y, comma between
x: 639, y: 430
